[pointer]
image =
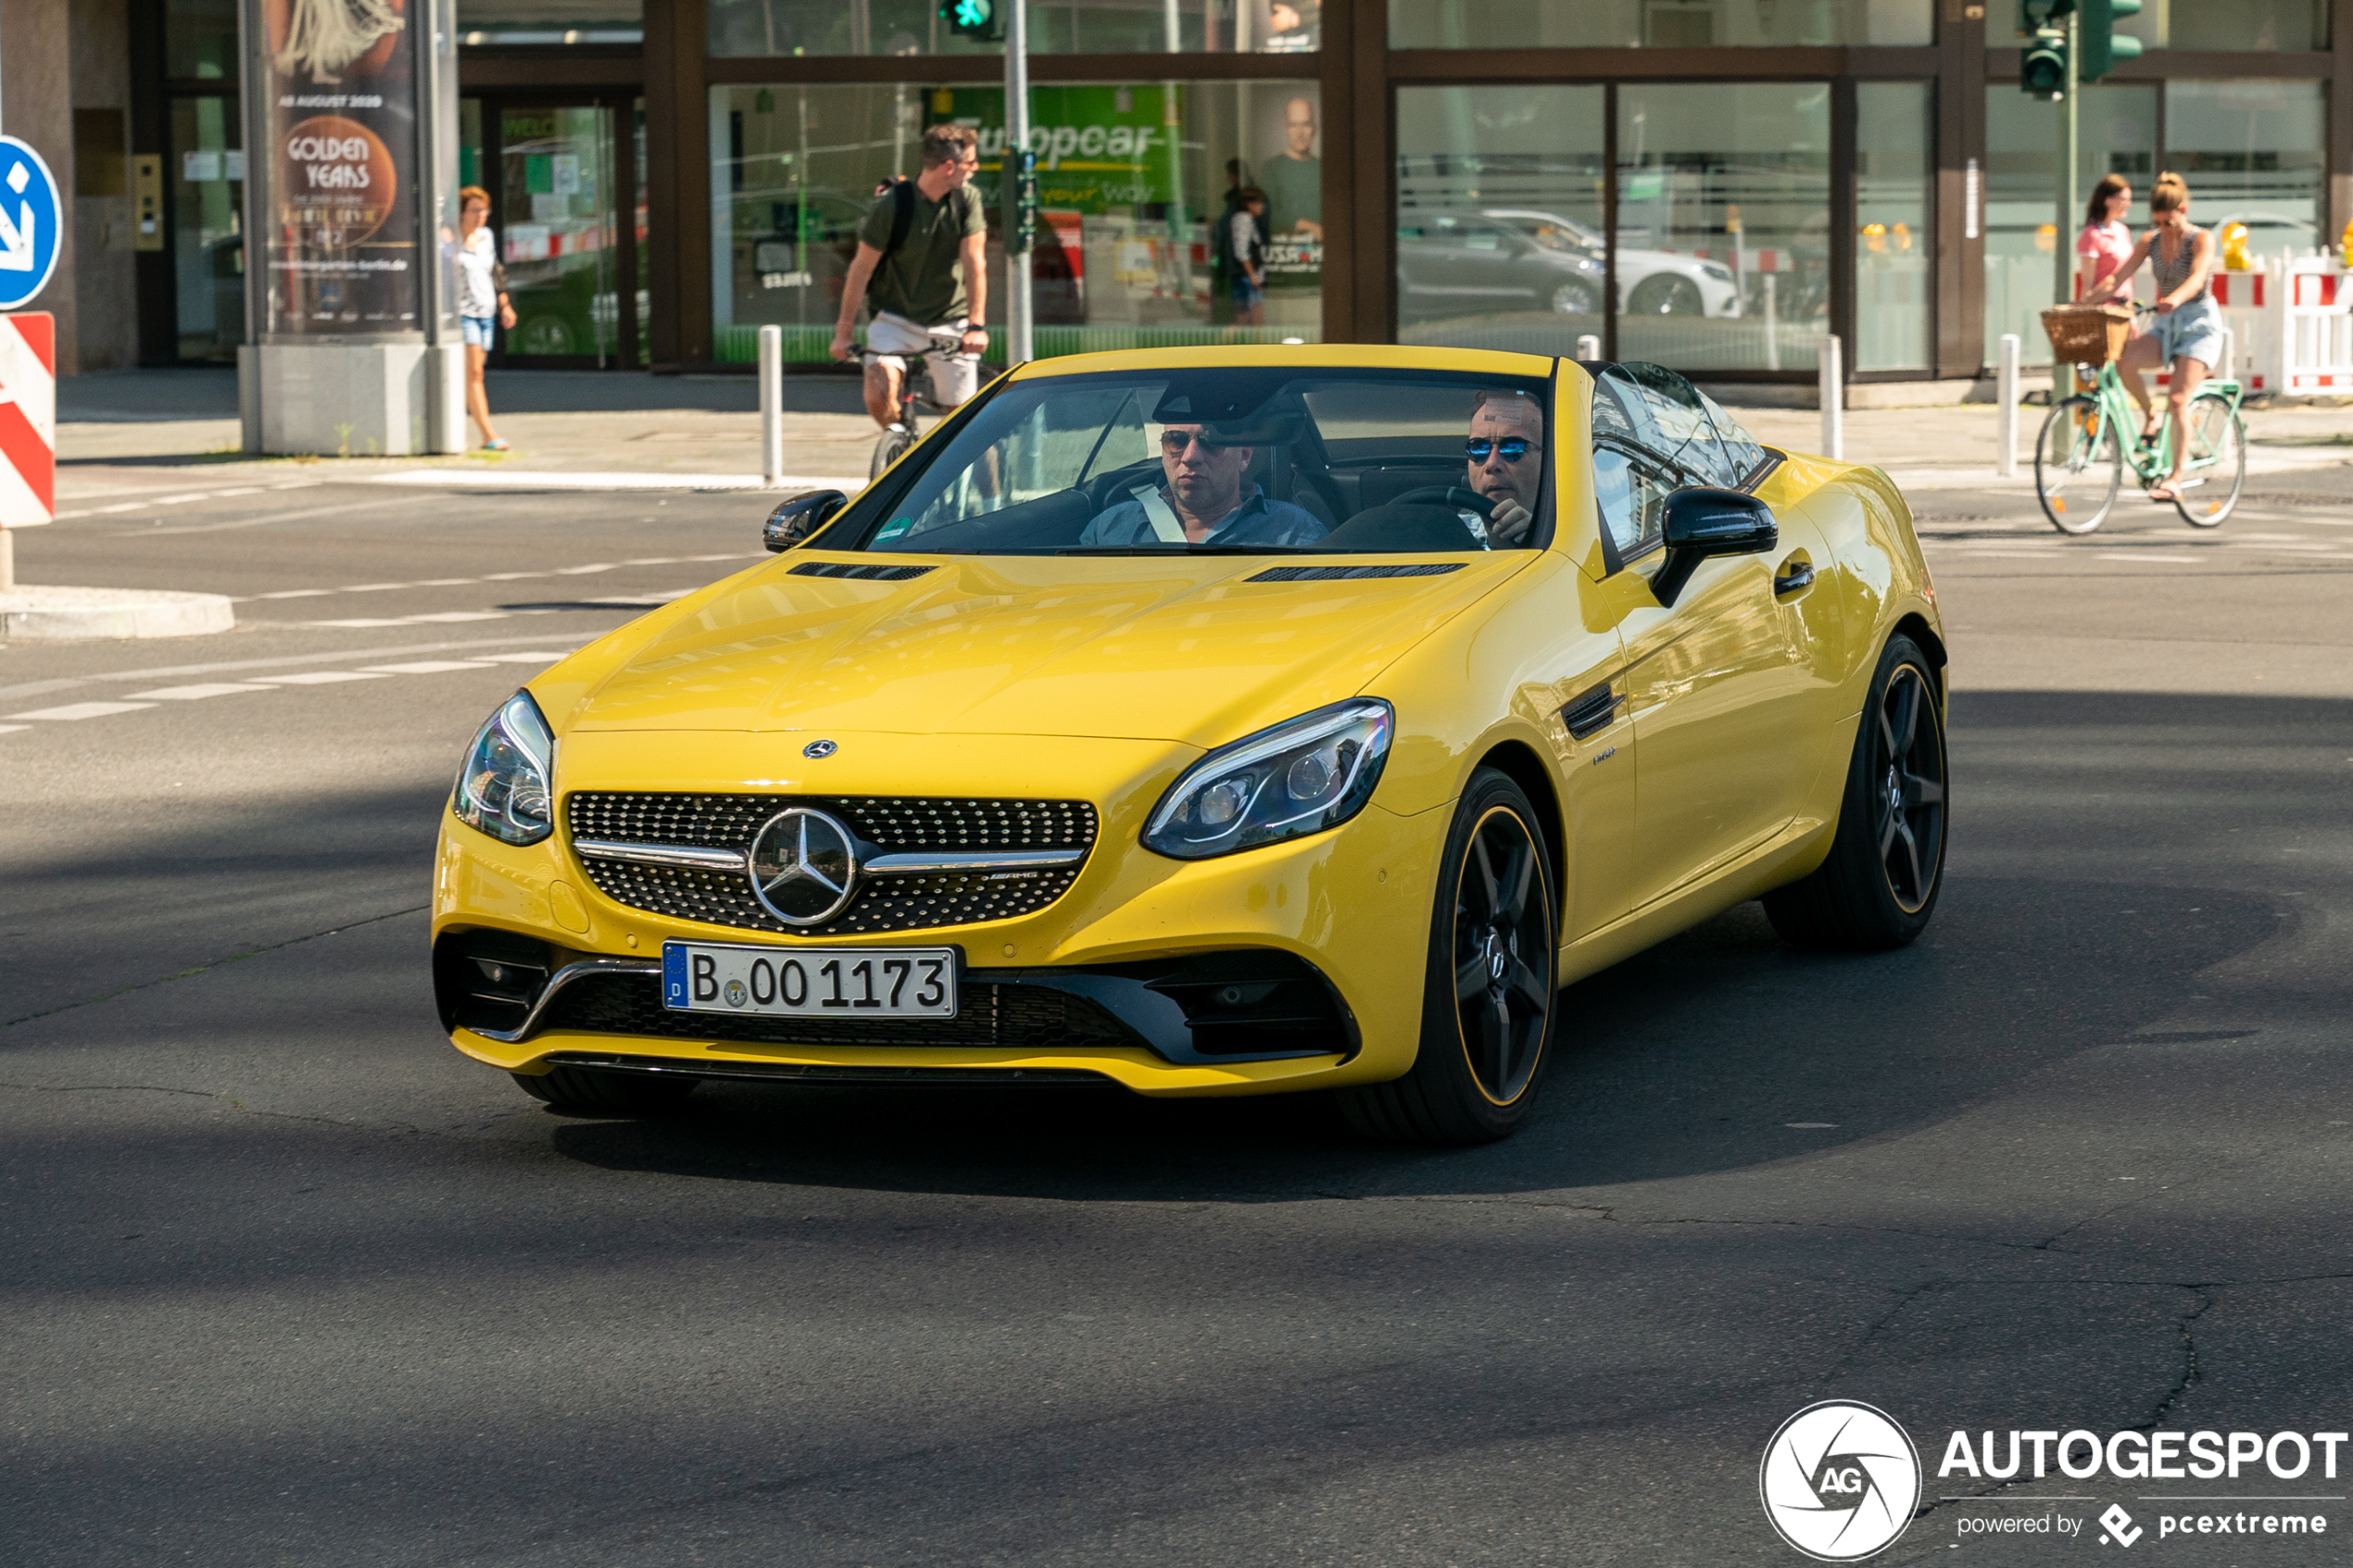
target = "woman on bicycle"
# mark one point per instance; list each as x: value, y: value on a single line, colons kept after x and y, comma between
x: 2188, y: 330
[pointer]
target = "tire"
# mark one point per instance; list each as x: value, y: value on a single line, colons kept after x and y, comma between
x: 2214, y: 427
x: 1489, y: 999
x: 889, y: 450
x: 2078, y: 467
x: 606, y: 1094
x: 1575, y: 299
x: 1665, y: 294
x: 1879, y: 887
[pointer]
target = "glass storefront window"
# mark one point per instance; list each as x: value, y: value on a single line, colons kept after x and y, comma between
x: 208, y: 246
x: 1894, y: 248
x: 1131, y: 177
x: 1656, y: 24
x: 2117, y: 135
x: 1723, y: 224
x: 1499, y: 194
x: 551, y: 21
x: 2236, y: 24
x: 793, y: 28
x: 200, y: 40
x: 2252, y: 153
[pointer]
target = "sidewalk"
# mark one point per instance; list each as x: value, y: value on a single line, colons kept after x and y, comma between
x: 139, y: 437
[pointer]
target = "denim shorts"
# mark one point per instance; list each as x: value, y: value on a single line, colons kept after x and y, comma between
x: 2193, y: 331
x: 1247, y: 295
x: 477, y: 330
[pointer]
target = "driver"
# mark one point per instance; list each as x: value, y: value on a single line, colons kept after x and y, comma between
x: 1505, y: 449
x: 1203, y: 502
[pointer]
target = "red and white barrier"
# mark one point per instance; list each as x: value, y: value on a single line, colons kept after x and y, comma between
x: 28, y: 419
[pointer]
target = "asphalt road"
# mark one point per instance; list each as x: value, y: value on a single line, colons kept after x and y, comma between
x: 284, y: 1280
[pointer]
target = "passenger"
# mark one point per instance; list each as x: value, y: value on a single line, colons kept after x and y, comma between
x: 1204, y: 502
x: 1506, y: 453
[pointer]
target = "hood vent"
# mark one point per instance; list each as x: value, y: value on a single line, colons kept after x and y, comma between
x: 858, y: 569
x: 1338, y: 573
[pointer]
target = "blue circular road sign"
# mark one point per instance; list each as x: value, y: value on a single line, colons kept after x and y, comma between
x: 30, y: 217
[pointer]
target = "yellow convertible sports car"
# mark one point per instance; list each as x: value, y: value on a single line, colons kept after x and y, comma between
x: 1226, y: 721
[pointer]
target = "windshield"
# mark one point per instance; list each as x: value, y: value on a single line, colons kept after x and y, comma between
x: 1552, y: 231
x: 1663, y: 412
x: 1234, y: 459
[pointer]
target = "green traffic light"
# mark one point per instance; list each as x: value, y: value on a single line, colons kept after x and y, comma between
x: 2102, y: 46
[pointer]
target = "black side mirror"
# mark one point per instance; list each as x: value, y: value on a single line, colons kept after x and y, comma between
x: 1702, y: 522
x: 797, y: 517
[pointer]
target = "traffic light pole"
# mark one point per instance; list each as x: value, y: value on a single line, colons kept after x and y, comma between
x: 2063, y: 232
x: 1020, y: 345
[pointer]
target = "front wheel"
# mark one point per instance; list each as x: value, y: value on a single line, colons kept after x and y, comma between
x: 1878, y: 886
x: 889, y: 450
x: 1574, y: 299
x: 1488, y: 987
x: 2078, y: 469
x: 2216, y: 432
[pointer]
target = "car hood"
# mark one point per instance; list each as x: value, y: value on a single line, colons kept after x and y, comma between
x: 1189, y: 649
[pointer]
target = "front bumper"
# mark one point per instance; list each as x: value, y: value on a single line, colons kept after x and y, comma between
x: 1121, y: 978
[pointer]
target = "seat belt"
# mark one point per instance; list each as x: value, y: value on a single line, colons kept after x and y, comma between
x: 1166, y: 528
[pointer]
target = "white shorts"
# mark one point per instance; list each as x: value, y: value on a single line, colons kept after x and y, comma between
x: 893, y: 340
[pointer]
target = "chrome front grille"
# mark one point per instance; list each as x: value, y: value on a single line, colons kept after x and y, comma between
x: 897, y: 825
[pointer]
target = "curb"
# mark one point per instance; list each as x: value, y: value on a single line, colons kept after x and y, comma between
x: 47, y: 614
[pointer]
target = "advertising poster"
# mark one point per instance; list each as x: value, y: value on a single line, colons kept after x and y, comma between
x: 340, y: 243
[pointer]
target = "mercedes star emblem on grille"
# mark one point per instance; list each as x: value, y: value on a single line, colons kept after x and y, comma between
x: 818, y: 750
x: 804, y: 866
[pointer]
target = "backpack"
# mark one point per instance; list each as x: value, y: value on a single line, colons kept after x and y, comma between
x: 902, y: 216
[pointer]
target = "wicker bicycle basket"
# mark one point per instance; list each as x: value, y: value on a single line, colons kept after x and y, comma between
x: 2086, y: 334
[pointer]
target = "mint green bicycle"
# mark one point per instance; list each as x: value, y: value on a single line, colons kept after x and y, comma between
x: 2088, y: 441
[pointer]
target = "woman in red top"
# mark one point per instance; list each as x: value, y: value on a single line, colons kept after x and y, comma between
x: 2108, y: 238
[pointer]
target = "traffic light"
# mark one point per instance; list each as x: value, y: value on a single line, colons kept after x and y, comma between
x: 2042, y: 64
x: 976, y: 19
x: 2102, y: 46
x: 1021, y: 184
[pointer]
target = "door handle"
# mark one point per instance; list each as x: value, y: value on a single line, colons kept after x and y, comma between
x: 1795, y: 577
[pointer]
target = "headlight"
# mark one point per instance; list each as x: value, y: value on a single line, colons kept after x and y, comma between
x: 503, y: 789
x: 1310, y: 773
x: 1721, y: 274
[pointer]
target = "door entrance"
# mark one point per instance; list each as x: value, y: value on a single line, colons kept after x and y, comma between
x: 568, y: 206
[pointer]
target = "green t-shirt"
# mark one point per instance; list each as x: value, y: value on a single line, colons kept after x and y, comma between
x: 920, y: 280
x: 1294, y: 188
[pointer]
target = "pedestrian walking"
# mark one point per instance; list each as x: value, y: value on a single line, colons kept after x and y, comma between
x: 2187, y: 333
x: 482, y: 304
x: 1247, y: 248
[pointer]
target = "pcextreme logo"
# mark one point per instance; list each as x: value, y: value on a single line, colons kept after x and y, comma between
x: 1840, y: 1481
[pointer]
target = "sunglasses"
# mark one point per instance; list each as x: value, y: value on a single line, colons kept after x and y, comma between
x: 1513, y: 450
x: 1175, y: 441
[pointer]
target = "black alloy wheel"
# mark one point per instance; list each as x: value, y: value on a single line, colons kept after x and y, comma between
x: 1879, y: 885
x: 1489, y: 1000
x: 1575, y: 299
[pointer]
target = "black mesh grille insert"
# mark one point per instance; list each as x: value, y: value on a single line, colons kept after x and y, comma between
x: 872, y: 573
x: 890, y: 822
x: 1337, y: 573
x: 989, y: 1016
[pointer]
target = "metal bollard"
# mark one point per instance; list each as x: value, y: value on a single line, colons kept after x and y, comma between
x: 772, y: 405
x: 1589, y: 348
x: 2005, y: 394
x: 1833, y: 402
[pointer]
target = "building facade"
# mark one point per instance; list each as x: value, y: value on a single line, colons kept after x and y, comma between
x: 1714, y: 185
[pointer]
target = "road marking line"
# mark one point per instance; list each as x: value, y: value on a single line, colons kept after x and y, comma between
x: 427, y: 666
x: 294, y: 593
x: 83, y: 711
x: 373, y: 587
x: 525, y: 657
x: 319, y: 677
x: 21, y: 690
x: 443, y: 616
x: 12, y: 729
x: 443, y: 582
x: 209, y: 688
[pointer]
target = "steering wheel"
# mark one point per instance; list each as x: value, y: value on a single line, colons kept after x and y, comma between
x: 1448, y: 496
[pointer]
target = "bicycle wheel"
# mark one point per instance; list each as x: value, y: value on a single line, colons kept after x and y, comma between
x: 2077, y: 467
x: 889, y: 450
x: 2216, y: 433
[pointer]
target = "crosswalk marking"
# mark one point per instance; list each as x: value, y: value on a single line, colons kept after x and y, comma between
x: 73, y: 710
x: 206, y: 689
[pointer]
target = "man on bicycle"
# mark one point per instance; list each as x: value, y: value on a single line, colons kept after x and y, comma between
x: 920, y: 260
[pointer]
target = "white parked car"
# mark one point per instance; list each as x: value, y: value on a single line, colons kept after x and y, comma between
x: 1650, y: 283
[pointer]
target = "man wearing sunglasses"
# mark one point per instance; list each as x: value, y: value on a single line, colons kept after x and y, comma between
x: 1505, y: 451
x: 1203, y: 502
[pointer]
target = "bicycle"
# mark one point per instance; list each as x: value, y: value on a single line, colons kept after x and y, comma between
x: 913, y: 403
x: 2089, y: 439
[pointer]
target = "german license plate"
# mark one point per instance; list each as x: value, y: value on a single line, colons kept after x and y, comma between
x: 809, y: 982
